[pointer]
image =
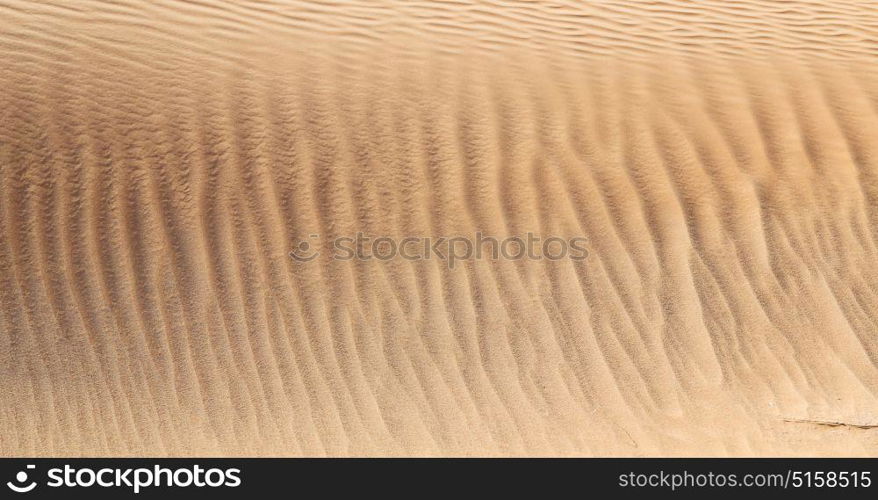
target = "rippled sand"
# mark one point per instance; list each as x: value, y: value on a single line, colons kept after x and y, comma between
x: 160, y: 159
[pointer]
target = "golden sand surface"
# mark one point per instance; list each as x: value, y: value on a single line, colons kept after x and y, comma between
x: 159, y: 161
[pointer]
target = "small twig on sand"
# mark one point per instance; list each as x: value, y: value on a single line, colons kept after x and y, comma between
x: 830, y: 423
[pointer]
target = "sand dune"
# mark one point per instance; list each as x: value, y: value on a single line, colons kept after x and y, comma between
x: 160, y: 160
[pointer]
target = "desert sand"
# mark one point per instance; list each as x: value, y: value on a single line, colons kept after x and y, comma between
x: 159, y: 160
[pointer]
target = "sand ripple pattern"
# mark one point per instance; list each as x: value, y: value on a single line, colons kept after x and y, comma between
x: 152, y: 185
x: 635, y: 28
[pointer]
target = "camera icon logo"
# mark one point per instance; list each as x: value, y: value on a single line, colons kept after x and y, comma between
x: 305, y: 250
x: 20, y: 479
